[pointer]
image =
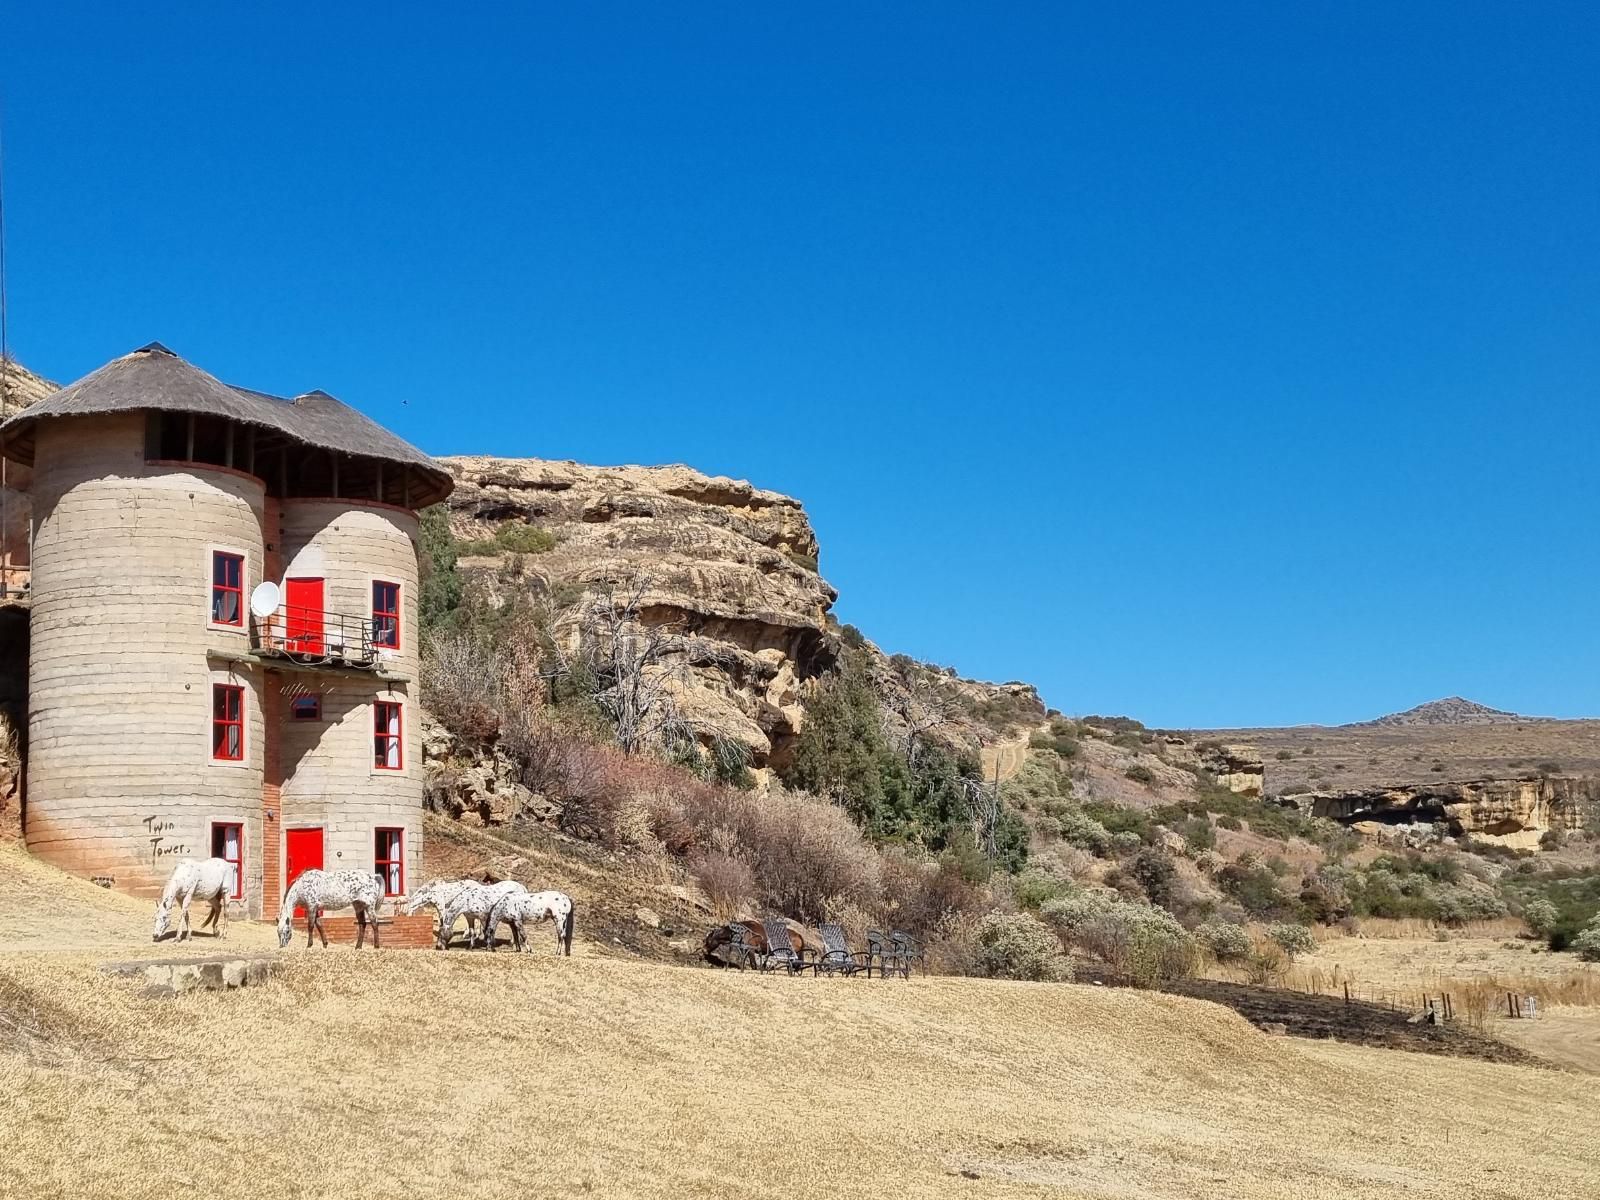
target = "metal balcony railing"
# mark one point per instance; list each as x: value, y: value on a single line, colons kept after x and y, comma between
x: 312, y: 637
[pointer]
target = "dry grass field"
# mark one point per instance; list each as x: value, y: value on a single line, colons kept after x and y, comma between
x: 451, y: 1075
x: 1415, y: 963
x: 1367, y: 755
x: 413, y: 1073
x: 42, y: 908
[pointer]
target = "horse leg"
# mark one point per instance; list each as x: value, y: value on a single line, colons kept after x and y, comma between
x: 361, y: 923
x: 184, y: 930
x: 322, y: 931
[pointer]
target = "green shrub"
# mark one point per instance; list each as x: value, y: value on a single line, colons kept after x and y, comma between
x: 1153, y: 868
x: 1540, y: 916
x: 1125, y: 842
x: 1140, y: 940
x: 1160, y: 952
x: 1292, y: 939
x: 1229, y: 821
x: 1081, y: 830
x: 1226, y: 942
x: 1254, y: 887
x: 1119, y: 819
x: 1020, y: 946
x: 1140, y: 773
x: 1034, y: 887
x: 1587, y: 943
x: 1198, y: 834
x: 1283, y: 756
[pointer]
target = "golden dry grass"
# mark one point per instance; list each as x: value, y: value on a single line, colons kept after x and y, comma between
x: 1569, y: 1036
x: 42, y: 908
x: 1419, y: 964
x: 451, y: 1075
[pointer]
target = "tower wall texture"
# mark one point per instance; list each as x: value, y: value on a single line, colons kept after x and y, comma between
x: 121, y: 779
x: 330, y: 779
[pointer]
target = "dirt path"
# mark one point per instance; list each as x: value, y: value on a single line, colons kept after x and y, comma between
x: 1010, y: 754
x: 1568, y: 1037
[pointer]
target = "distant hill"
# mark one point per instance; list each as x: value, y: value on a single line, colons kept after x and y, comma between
x: 1452, y: 710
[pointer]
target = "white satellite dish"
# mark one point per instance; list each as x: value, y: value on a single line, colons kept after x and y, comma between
x: 264, y: 600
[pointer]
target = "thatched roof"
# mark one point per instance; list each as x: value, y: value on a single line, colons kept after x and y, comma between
x: 155, y: 379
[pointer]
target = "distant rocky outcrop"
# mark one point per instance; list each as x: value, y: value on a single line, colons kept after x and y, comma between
x: 1452, y: 710
x: 1511, y: 812
x: 20, y: 387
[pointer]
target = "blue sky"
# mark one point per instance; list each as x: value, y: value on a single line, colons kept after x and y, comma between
x: 1217, y: 364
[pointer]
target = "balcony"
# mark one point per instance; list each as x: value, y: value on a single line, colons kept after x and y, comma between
x: 312, y: 638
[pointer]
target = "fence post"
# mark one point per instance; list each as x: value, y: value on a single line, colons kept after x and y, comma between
x: 1347, y: 992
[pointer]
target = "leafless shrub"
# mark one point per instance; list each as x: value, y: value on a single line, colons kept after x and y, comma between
x: 463, y: 685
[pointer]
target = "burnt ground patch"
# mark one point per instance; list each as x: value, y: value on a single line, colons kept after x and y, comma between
x: 1330, y: 1018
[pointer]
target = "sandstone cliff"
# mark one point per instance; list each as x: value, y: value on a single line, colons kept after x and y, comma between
x: 1510, y: 812
x: 731, y: 567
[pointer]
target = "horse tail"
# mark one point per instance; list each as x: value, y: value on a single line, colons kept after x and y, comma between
x: 566, y: 931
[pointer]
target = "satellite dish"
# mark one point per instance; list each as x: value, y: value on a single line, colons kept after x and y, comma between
x: 264, y: 600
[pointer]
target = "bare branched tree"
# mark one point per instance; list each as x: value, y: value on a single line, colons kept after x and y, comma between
x: 924, y: 707
x: 983, y: 802
x: 629, y: 668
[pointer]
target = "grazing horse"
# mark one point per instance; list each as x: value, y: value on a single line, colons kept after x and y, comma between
x: 319, y: 890
x: 721, y: 936
x: 474, y: 899
x: 438, y: 895
x: 515, y: 908
x: 210, y: 879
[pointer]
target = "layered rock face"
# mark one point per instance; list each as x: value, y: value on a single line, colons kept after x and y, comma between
x: 19, y: 387
x: 731, y: 567
x: 1510, y: 812
x: 1238, y: 768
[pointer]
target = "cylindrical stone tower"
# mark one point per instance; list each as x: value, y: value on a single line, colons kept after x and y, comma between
x: 166, y: 720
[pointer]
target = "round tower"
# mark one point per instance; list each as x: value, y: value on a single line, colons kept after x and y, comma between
x: 167, y: 718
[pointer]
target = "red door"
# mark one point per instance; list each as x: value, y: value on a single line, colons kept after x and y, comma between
x: 302, y: 615
x: 303, y: 851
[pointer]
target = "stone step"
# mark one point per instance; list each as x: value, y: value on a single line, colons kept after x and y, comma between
x: 217, y: 973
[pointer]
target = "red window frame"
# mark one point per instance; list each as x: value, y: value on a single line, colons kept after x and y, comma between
x: 306, y: 708
x: 389, y: 858
x: 219, y: 849
x: 382, y: 739
x: 227, y: 714
x: 221, y: 588
x: 386, y: 614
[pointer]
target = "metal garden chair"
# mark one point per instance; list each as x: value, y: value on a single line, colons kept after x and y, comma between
x: 781, y: 953
x: 837, y: 958
x: 908, y: 951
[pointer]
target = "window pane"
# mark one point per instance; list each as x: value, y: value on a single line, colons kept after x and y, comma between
x: 230, y: 842
x: 225, y: 607
x: 235, y: 749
